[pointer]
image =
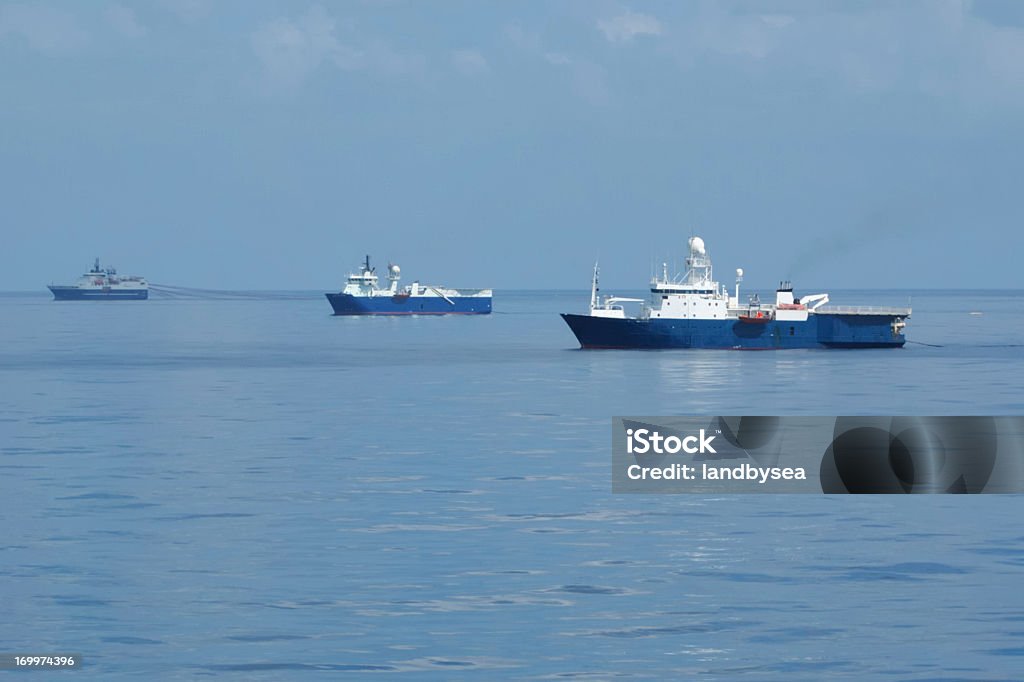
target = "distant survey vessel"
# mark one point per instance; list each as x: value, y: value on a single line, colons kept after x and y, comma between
x: 694, y: 311
x: 362, y: 297
x: 103, y: 285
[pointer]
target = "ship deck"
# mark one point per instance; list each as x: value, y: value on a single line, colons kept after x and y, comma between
x: 862, y: 310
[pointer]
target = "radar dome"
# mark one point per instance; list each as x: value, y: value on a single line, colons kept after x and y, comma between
x: 739, y: 272
x: 697, y: 245
x: 395, y: 270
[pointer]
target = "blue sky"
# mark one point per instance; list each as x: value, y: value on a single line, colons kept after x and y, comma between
x: 272, y: 144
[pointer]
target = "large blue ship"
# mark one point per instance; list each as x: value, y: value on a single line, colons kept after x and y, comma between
x: 694, y: 311
x: 102, y: 284
x: 362, y: 296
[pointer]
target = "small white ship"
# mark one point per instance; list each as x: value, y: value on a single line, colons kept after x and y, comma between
x: 102, y: 284
x: 362, y: 296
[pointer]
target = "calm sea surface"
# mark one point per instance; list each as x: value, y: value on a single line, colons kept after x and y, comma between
x: 254, y: 489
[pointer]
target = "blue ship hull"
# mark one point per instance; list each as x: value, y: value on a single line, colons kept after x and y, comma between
x: 820, y: 331
x: 81, y: 294
x: 346, y: 304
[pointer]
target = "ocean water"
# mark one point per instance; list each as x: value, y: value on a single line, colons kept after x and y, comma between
x: 254, y: 489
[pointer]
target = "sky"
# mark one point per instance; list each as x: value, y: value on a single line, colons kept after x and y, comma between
x: 270, y: 145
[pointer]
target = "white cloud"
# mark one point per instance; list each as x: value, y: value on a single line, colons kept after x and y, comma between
x: 527, y: 41
x: 470, y: 62
x: 625, y: 27
x: 45, y: 29
x: 941, y: 49
x: 587, y: 78
x: 777, y: 20
x: 290, y: 50
x: 557, y: 58
x: 188, y: 10
x: 124, y: 21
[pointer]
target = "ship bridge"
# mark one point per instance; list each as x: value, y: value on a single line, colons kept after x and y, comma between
x: 695, y: 294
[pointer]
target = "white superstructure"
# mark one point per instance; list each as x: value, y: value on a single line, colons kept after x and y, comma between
x: 364, y: 284
x: 696, y: 295
x: 106, y: 279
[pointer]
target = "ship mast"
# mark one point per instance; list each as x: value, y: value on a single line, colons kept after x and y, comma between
x: 698, y: 263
